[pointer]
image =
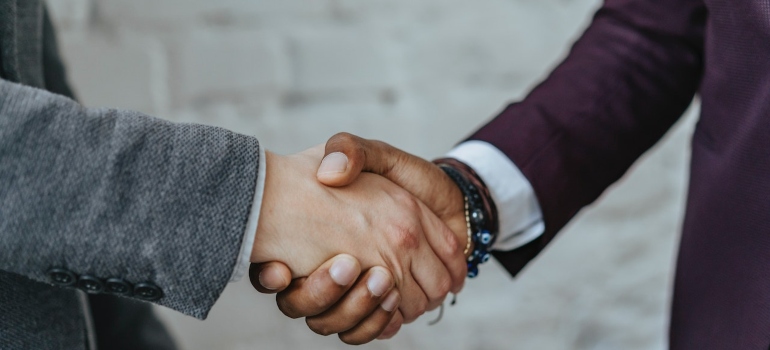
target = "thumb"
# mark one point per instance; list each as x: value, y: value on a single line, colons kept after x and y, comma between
x: 347, y: 155
x: 271, y: 277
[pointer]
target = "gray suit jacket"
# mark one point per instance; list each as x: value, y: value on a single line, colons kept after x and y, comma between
x: 114, y: 202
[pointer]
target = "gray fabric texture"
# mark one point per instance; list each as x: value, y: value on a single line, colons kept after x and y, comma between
x: 105, y: 192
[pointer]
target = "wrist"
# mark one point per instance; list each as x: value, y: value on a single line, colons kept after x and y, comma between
x: 262, y: 240
x: 282, y: 183
x: 480, y: 212
x: 454, y: 212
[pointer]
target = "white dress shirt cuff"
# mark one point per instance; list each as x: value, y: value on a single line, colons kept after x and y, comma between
x: 244, y: 257
x: 521, y: 220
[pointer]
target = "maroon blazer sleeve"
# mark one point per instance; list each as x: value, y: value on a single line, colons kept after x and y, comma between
x: 625, y: 82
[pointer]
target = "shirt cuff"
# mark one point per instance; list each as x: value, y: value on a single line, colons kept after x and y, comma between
x: 521, y: 219
x: 244, y: 257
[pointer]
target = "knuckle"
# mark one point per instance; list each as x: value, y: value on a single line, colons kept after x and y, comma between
x: 393, y: 326
x: 347, y: 141
x: 308, y: 301
x: 409, y: 318
x: 421, y: 309
x: 452, y: 244
x: 319, y: 327
x: 443, y: 287
x: 287, y: 308
x: 355, y: 339
x: 408, y: 202
x: 380, y: 144
x: 418, y: 310
x: 406, y: 236
x: 344, y: 137
x: 317, y: 299
x: 366, y: 333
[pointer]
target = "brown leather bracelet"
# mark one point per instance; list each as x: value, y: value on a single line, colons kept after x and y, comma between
x: 485, y: 195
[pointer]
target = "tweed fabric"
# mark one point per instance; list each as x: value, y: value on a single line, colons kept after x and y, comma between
x: 625, y: 82
x: 105, y: 192
x: 118, y: 193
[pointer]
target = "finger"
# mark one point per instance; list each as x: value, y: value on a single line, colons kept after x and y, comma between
x: 393, y: 327
x: 374, y: 324
x: 446, y: 247
x: 432, y: 276
x: 271, y: 277
x: 346, y: 155
x: 321, y: 290
x: 364, y: 298
x: 414, y: 301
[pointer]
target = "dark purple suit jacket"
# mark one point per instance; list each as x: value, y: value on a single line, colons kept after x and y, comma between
x: 625, y: 82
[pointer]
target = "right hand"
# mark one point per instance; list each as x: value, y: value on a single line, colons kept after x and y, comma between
x: 346, y: 157
x: 303, y: 224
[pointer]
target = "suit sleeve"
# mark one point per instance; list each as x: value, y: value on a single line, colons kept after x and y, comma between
x: 625, y: 82
x: 107, y: 193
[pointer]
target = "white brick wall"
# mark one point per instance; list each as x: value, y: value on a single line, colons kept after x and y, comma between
x: 342, y: 61
x: 220, y: 63
x: 420, y: 74
x: 116, y: 70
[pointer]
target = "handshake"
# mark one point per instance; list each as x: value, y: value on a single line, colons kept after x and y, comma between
x: 367, y: 207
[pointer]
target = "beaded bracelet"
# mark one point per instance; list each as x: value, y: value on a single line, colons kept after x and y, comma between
x: 480, y: 214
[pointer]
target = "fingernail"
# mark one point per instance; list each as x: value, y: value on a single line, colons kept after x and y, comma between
x: 378, y: 283
x: 263, y: 279
x: 391, y: 302
x: 335, y: 162
x: 343, y: 271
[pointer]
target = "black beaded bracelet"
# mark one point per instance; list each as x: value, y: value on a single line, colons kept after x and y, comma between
x: 480, y: 229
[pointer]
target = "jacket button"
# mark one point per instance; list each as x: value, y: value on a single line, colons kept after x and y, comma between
x: 90, y: 284
x: 147, y: 291
x: 117, y: 286
x: 62, y: 277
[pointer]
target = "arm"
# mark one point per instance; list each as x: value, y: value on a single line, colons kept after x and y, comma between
x: 626, y: 81
x: 108, y: 193
x: 112, y: 193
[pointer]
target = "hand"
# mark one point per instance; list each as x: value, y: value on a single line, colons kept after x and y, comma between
x: 346, y: 156
x: 315, y: 295
x: 303, y: 224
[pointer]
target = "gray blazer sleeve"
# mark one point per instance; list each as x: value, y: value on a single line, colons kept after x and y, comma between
x: 107, y: 193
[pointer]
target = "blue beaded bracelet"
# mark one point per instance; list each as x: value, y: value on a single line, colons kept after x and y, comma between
x: 476, y: 219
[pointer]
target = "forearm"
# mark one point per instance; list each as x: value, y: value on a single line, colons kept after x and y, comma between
x: 625, y: 82
x: 114, y: 193
x: 519, y: 217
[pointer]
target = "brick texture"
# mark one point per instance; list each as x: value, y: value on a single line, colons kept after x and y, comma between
x: 420, y: 75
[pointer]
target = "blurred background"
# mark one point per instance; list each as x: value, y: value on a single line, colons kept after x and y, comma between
x: 421, y: 75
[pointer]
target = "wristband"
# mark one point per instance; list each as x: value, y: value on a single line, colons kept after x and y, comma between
x: 480, y: 212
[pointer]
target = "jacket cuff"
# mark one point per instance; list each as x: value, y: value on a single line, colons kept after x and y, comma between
x: 244, y: 257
